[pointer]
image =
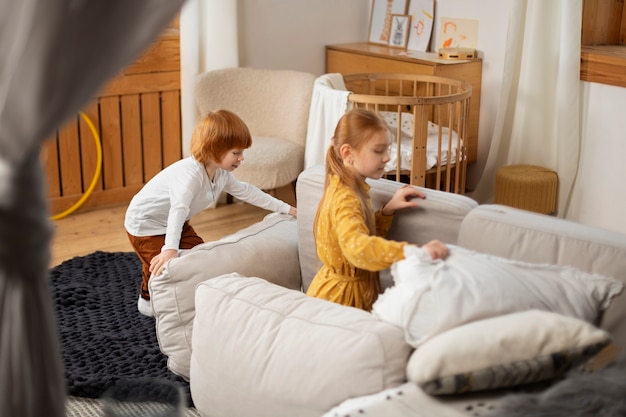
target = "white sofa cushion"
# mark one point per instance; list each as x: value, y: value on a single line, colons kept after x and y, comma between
x: 263, y: 350
x: 504, y: 351
x: 439, y: 216
x: 267, y: 249
x: 544, y: 239
x: 432, y: 296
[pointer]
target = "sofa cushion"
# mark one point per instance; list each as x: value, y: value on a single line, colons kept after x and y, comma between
x: 260, y: 349
x: 504, y: 351
x: 438, y: 217
x: 545, y: 239
x: 267, y: 249
x: 432, y: 296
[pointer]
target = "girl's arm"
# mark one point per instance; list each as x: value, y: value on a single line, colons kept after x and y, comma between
x: 372, y: 253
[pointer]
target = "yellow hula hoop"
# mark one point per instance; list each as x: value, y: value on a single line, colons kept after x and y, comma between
x: 96, y: 174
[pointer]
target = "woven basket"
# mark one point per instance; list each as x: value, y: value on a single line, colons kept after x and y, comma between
x: 527, y: 187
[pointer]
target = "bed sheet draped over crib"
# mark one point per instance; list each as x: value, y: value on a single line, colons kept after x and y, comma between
x: 427, y: 118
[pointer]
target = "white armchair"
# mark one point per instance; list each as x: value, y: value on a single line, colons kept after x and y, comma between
x: 275, y: 106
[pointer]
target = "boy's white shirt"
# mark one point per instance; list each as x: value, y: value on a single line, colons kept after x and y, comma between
x: 181, y: 191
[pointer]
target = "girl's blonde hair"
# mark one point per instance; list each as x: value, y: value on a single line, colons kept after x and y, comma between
x: 216, y: 133
x: 355, y: 128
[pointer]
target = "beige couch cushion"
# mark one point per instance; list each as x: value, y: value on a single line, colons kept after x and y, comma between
x: 267, y: 249
x: 264, y: 350
x: 509, y: 350
x: 544, y: 239
x: 438, y: 217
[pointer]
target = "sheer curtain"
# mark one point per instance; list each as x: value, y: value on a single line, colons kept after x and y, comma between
x: 54, y: 56
x: 538, y: 118
x: 208, y: 41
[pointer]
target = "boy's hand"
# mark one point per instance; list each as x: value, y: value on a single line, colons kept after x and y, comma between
x: 158, y: 262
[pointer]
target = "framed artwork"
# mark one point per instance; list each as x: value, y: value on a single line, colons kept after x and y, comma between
x: 399, y: 33
x: 420, y: 32
x: 380, y: 19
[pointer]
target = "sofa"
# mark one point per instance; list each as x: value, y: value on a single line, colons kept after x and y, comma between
x: 232, y: 316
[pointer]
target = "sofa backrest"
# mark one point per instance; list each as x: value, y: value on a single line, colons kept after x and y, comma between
x: 537, y: 238
x: 438, y: 216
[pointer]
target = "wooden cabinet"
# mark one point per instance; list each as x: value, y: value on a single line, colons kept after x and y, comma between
x: 357, y: 58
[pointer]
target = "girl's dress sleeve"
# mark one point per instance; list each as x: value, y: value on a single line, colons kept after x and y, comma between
x: 364, y: 251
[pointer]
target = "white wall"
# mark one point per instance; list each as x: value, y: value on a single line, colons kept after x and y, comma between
x: 291, y: 34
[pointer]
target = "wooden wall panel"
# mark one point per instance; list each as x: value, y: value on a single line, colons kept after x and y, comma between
x: 138, y: 119
x: 171, y: 125
x: 151, y: 129
x: 131, y: 131
x: 69, y: 159
x: 89, y: 154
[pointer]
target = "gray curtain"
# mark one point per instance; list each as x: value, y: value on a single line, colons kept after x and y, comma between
x: 54, y: 57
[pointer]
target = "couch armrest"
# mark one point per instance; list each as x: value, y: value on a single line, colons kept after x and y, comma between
x: 267, y: 249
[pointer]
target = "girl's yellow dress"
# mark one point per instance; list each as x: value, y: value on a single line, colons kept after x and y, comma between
x: 346, y: 248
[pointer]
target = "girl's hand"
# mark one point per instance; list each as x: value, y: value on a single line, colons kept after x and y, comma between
x: 437, y: 249
x: 293, y: 212
x: 158, y: 262
x: 401, y: 199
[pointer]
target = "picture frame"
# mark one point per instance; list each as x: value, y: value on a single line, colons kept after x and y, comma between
x: 380, y: 19
x: 399, y: 34
x: 422, y: 14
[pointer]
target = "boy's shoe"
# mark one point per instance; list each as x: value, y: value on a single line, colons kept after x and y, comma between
x: 145, y: 307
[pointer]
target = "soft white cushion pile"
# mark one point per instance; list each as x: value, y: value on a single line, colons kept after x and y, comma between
x: 260, y: 349
x: 430, y: 297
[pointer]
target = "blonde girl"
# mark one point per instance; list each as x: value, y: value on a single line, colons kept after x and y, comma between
x: 157, y: 218
x: 348, y: 234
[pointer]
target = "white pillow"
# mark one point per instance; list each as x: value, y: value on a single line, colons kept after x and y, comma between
x: 430, y: 297
x: 260, y: 350
x: 504, y: 351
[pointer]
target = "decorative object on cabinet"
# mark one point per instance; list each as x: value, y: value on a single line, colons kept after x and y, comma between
x: 427, y: 116
x: 399, y: 30
x: 381, y: 19
x: 361, y: 58
x: 422, y: 16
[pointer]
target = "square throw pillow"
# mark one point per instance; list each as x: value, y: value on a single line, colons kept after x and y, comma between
x: 504, y: 351
x: 430, y: 297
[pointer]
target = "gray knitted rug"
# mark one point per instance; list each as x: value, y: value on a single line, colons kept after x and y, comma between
x: 103, y: 337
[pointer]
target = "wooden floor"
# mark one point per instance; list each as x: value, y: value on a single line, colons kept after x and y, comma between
x: 85, y: 232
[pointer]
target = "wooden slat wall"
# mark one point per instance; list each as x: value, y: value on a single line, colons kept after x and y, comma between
x: 138, y: 119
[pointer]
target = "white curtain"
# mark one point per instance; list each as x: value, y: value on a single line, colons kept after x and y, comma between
x: 538, y: 115
x: 54, y: 57
x: 208, y: 41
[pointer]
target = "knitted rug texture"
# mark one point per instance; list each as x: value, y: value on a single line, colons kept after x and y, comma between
x: 103, y: 338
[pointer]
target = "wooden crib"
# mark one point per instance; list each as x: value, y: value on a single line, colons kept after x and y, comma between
x: 428, y: 120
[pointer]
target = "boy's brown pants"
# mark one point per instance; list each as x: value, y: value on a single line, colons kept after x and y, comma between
x: 147, y: 247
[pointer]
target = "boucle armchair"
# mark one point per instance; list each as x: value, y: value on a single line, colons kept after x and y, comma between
x: 275, y: 106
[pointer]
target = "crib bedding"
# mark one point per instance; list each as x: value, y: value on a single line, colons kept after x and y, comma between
x: 406, y: 142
